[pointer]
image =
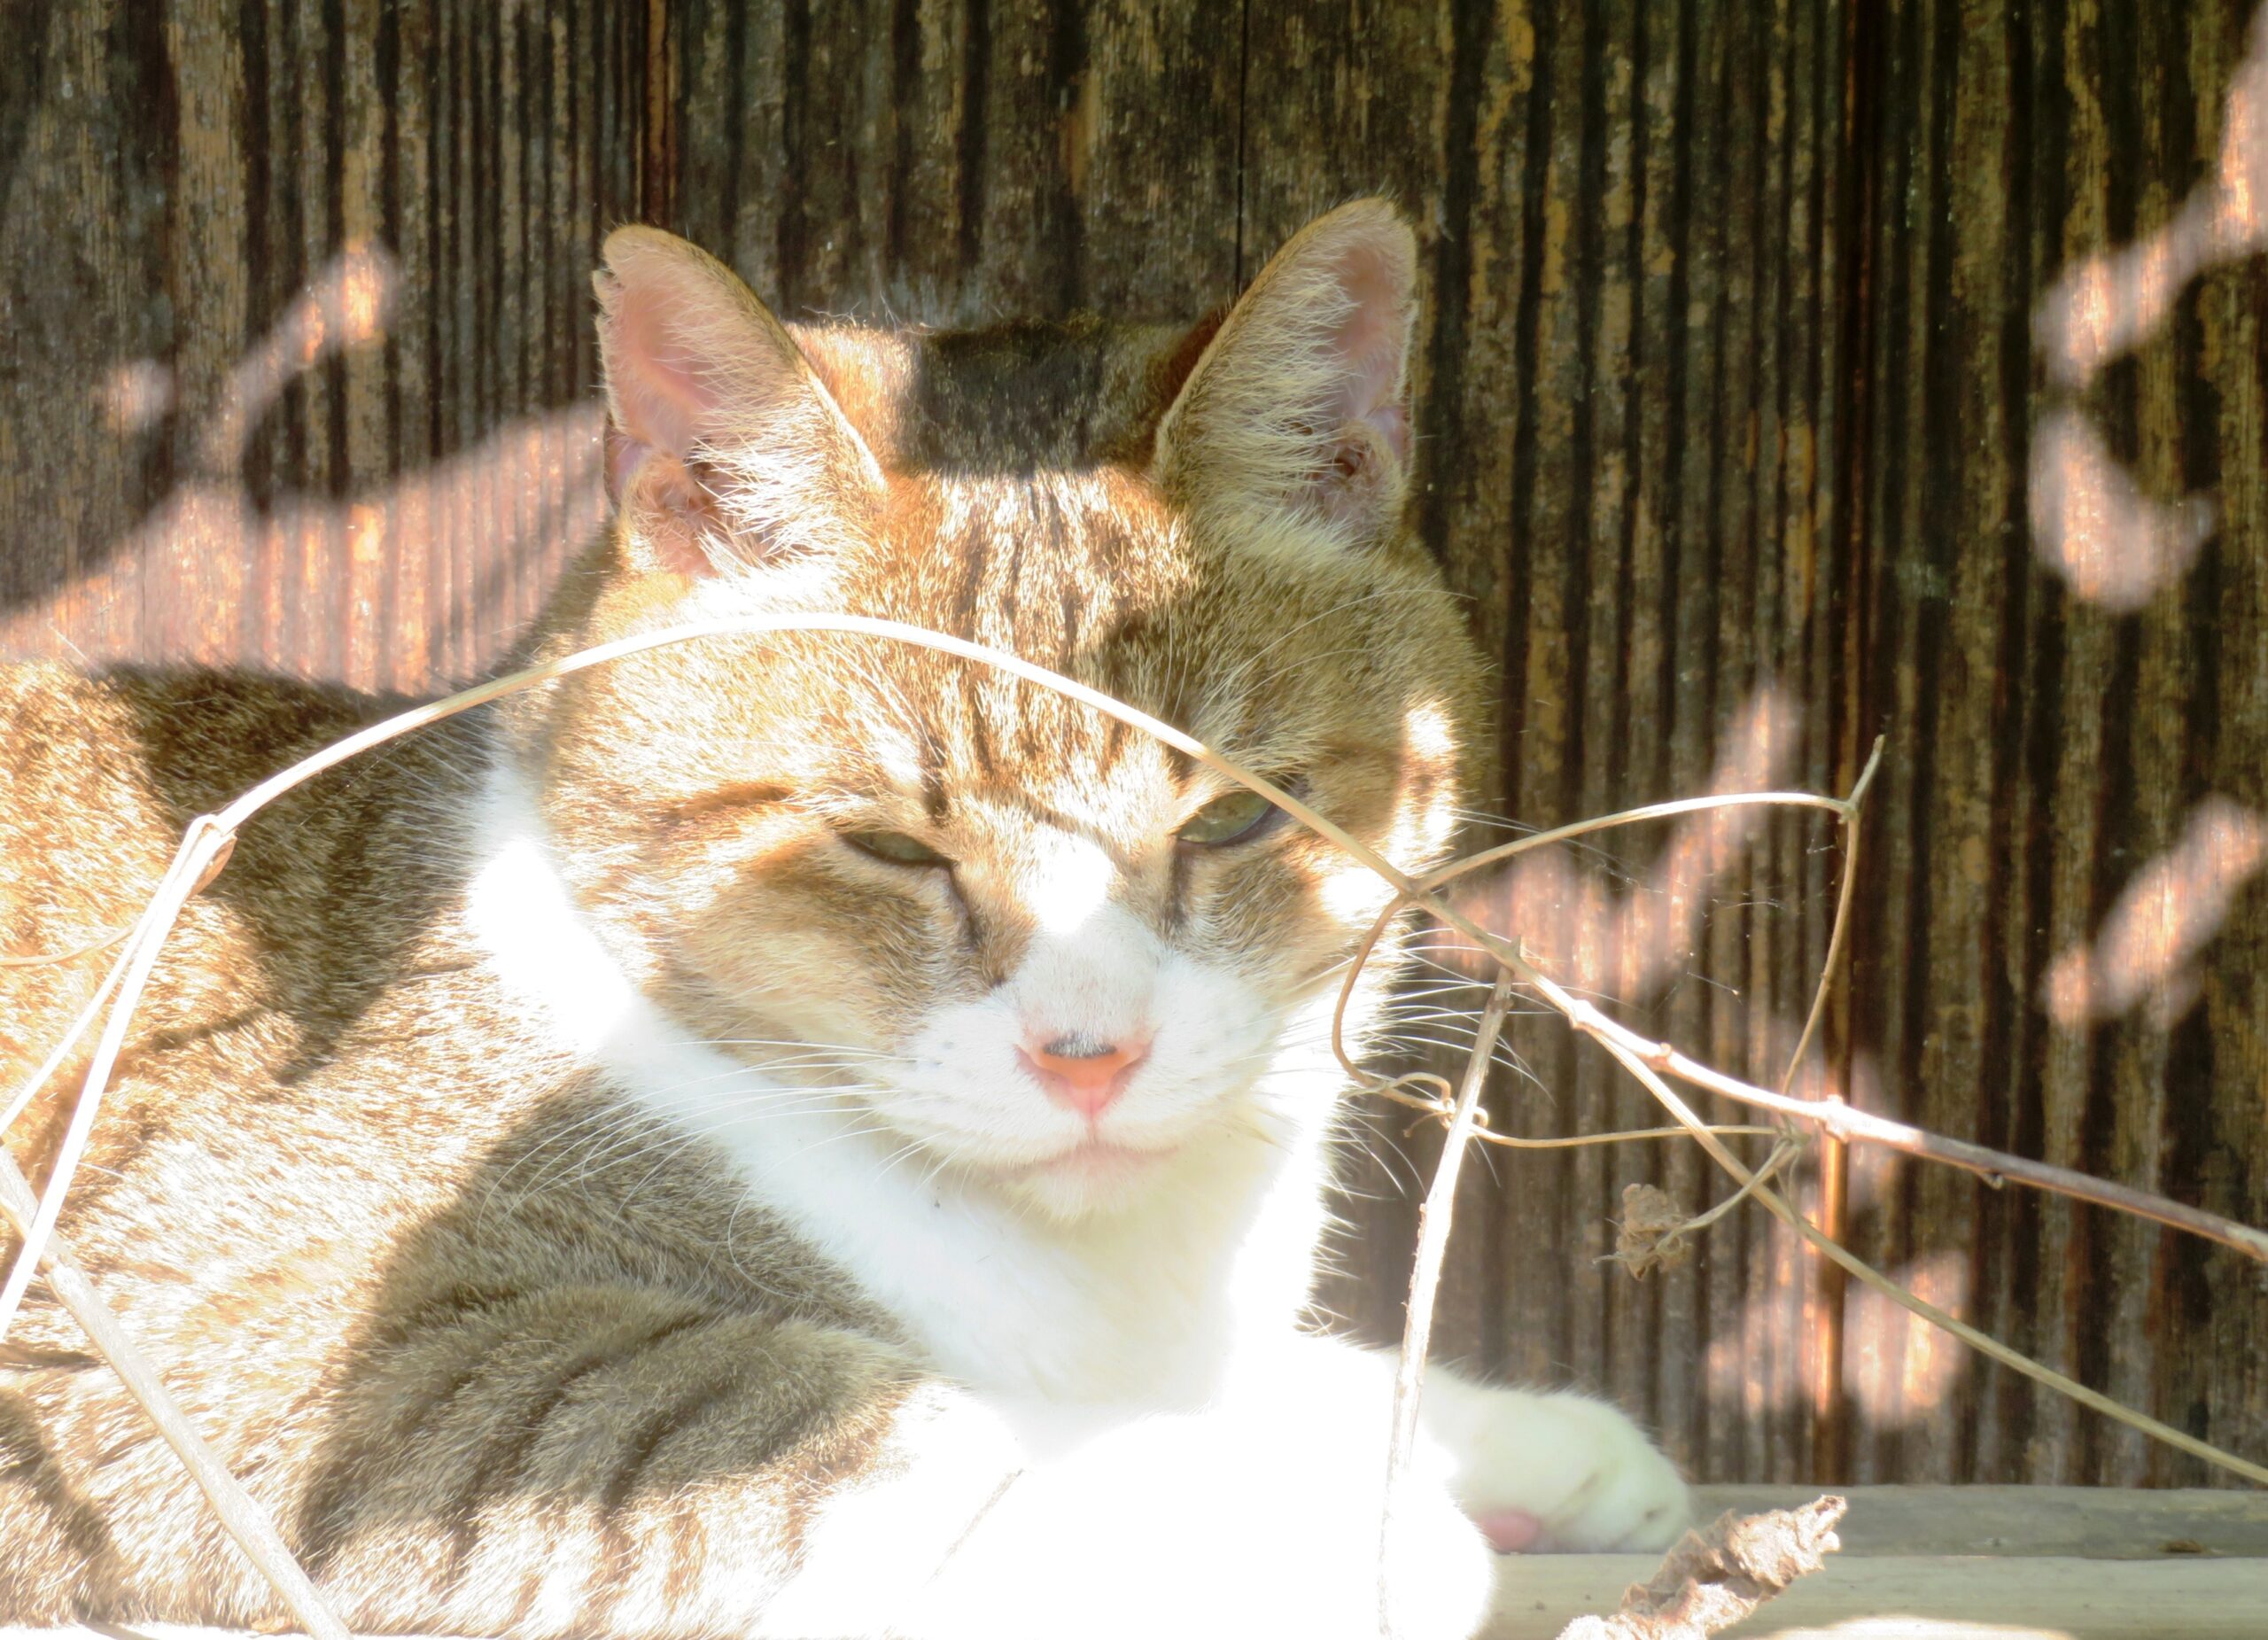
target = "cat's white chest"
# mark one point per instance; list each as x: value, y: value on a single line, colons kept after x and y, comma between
x: 1127, y: 1311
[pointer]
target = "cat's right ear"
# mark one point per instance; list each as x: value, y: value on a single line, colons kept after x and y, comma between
x: 723, y: 448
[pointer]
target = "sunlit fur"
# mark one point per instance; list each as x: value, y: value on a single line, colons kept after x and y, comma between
x: 590, y: 1192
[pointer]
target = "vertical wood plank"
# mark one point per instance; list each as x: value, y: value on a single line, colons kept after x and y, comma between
x: 972, y: 158
x: 1635, y: 319
x: 2060, y: 742
x: 303, y: 375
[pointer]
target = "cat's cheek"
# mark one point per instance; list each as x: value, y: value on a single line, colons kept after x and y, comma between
x: 826, y: 932
x: 1348, y: 894
x: 1218, y: 1020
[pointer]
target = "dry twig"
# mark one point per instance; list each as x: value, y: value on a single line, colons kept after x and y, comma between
x: 1843, y: 1121
x: 1639, y: 1055
x: 198, y: 850
x: 1605, y: 1031
x: 1432, y: 1240
x: 1994, y: 1167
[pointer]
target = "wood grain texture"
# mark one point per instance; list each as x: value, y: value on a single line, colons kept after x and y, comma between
x: 2051, y: 750
x: 1760, y: 414
x: 2088, y: 1523
x: 1934, y: 1597
x: 299, y: 362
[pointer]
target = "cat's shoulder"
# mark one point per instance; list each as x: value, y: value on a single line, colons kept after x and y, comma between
x: 104, y: 771
x: 180, y: 740
x: 106, y: 768
x: 201, y: 731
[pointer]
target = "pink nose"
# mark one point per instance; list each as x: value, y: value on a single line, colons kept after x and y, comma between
x: 1083, y: 1073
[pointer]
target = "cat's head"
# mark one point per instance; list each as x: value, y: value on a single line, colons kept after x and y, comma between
x: 1034, y: 944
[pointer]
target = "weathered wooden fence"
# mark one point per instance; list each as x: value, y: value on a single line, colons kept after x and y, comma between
x: 1794, y: 372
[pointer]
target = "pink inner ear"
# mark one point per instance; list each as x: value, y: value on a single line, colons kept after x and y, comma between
x: 1370, y: 341
x: 624, y: 457
x: 661, y: 398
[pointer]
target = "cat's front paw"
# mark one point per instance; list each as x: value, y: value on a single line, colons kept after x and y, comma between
x: 1564, y: 1472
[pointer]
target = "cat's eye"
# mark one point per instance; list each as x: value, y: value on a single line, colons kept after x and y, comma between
x: 896, y: 847
x: 1235, y: 816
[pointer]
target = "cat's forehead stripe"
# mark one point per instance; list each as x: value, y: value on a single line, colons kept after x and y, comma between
x: 1069, y: 570
x: 1045, y: 564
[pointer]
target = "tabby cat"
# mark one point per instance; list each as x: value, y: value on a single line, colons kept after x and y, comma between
x: 797, y: 1135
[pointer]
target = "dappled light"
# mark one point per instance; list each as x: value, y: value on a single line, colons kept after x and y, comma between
x: 2105, y: 304
x: 1895, y: 1368
x: 1722, y: 855
x: 2091, y: 524
x: 441, y: 567
x: 1665, y: 472
x: 1597, y: 939
x: 344, y: 306
x: 228, y: 581
x: 135, y: 396
x: 2142, y: 954
x: 1901, y: 1368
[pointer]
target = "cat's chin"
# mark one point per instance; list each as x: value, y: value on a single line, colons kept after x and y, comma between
x: 1092, y: 1177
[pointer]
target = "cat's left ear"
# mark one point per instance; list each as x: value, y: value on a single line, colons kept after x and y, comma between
x: 722, y: 446
x: 1296, y: 409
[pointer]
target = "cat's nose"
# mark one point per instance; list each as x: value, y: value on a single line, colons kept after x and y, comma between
x: 1085, y: 1072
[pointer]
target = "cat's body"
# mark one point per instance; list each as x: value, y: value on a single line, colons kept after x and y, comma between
x: 795, y: 1136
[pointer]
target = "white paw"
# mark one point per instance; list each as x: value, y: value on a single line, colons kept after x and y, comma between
x: 1590, y: 1478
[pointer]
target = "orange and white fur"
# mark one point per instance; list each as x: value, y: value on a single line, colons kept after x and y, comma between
x: 799, y: 1135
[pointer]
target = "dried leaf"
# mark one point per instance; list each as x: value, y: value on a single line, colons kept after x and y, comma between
x: 1650, y: 1235
x: 1713, y: 1578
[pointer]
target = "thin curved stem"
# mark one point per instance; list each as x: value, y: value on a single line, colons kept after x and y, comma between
x: 1838, y: 936
x: 1425, y: 1277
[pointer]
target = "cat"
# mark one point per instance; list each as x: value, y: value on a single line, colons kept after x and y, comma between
x: 799, y: 1135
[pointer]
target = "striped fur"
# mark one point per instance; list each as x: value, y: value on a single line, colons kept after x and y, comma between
x: 581, y: 1190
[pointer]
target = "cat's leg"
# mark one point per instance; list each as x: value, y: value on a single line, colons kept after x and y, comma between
x: 607, y: 1461
x: 1536, y: 1471
x: 622, y: 1463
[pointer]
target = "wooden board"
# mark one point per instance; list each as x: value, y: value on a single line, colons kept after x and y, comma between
x: 1938, y: 1597
x: 299, y: 360
x: 2092, y: 1523
x: 1743, y: 390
